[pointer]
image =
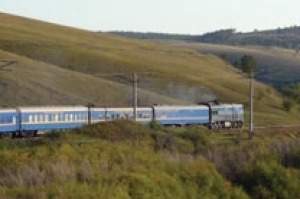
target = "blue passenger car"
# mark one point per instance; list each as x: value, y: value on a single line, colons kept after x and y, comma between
x: 181, y: 115
x: 53, y: 118
x: 8, y: 120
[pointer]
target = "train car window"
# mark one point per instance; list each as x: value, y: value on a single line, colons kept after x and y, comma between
x: 46, y: 117
x: 60, y: 117
x: 56, y: 117
x: 41, y: 118
x: 84, y: 117
x: 71, y: 117
x: 29, y: 118
x: 214, y: 112
x: 66, y: 117
x: 75, y: 117
x: 36, y: 118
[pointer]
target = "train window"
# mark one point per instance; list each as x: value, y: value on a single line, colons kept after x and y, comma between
x: 75, y: 117
x: 30, y: 118
x: 56, y: 117
x: 71, y: 117
x: 46, y: 117
x: 41, y: 117
x: 60, y: 117
x: 36, y: 118
x: 83, y: 117
x: 214, y: 112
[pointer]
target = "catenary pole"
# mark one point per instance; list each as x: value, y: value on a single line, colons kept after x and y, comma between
x: 134, y: 96
x: 251, y: 104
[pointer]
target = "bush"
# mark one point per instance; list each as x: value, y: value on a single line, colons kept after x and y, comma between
x: 271, y: 180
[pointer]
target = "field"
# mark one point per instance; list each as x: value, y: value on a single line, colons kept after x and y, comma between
x: 121, y: 159
x: 63, y: 65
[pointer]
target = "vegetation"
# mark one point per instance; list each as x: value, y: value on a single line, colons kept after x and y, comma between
x: 248, y: 64
x: 292, y: 99
x: 122, y: 159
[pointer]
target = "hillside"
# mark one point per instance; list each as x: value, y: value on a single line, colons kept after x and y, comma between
x: 30, y: 82
x: 276, y: 51
x: 278, y: 67
x: 60, y: 65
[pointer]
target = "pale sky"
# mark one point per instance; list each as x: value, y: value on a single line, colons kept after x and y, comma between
x: 165, y: 16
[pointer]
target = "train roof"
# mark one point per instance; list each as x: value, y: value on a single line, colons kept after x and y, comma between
x: 8, y: 110
x: 52, y: 108
x: 170, y: 107
x: 227, y: 105
x: 123, y: 109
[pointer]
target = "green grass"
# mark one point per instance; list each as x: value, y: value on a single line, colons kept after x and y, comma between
x: 62, y: 65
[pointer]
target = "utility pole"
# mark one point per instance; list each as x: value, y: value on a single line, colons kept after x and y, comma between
x: 251, y: 104
x: 134, y: 96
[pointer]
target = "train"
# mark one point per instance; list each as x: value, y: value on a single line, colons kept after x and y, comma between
x: 30, y: 120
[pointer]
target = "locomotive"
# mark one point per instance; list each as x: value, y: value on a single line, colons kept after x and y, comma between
x: 30, y: 120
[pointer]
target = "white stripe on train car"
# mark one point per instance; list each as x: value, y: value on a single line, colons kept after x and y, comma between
x: 8, y: 111
x: 53, y: 109
x: 180, y: 108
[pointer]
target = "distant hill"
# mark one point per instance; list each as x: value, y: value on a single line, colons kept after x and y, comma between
x: 150, y: 35
x: 281, y: 37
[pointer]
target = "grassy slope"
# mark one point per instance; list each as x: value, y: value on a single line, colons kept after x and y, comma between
x: 31, y: 82
x: 181, y: 74
x: 276, y: 66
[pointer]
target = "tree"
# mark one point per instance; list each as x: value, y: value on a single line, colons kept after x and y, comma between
x: 248, y: 64
x: 288, y: 104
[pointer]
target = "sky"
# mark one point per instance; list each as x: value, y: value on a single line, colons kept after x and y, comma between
x: 163, y: 16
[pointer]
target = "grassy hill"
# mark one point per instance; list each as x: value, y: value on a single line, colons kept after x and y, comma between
x: 60, y: 65
x: 277, y: 51
x: 278, y: 67
x: 30, y: 82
